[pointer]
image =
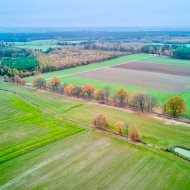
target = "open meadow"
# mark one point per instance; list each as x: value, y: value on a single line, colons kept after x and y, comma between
x: 82, y: 149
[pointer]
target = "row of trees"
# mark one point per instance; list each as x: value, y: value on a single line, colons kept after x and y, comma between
x: 100, y: 122
x: 112, y: 46
x: 5, y: 70
x: 16, y: 79
x: 139, y: 100
x: 129, y: 47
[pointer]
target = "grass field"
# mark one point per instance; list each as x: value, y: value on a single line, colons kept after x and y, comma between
x: 22, y: 63
x: 24, y: 127
x: 94, y: 161
x: 168, y: 61
x: 86, y: 160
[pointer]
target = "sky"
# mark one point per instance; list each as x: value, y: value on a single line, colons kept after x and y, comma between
x: 94, y: 13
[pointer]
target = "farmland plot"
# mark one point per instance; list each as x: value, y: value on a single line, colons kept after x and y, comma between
x: 140, y: 78
x: 23, y: 127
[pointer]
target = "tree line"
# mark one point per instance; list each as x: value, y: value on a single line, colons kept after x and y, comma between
x: 12, y: 52
x: 101, y: 122
x: 181, y: 53
x: 121, y: 98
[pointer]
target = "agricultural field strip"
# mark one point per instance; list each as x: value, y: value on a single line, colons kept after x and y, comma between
x: 60, y: 76
x: 68, y: 130
x: 143, y: 79
x: 157, y: 68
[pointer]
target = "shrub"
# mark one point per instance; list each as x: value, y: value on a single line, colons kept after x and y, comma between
x: 134, y: 134
x: 88, y: 90
x: 100, y: 122
x: 176, y: 105
x: 121, y: 95
x: 69, y: 89
x: 100, y: 95
x: 39, y: 82
x: 54, y: 83
x: 77, y: 91
x: 119, y: 127
x: 6, y: 78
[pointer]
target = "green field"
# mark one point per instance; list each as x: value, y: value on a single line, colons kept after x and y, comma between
x: 22, y: 63
x: 25, y: 127
x: 86, y: 160
x: 94, y: 161
x: 168, y: 61
x: 43, y: 45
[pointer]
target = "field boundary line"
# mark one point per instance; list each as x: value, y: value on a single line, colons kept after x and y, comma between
x: 66, y: 75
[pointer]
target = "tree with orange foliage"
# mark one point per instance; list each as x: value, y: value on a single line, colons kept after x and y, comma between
x: 69, y: 89
x: 19, y: 80
x: 54, y: 83
x: 22, y: 82
x: 88, y: 90
x: 119, y: 127
x: 100, y: 122
x: 134, y: 134
x: 176, y: 105
x: 121, y: 94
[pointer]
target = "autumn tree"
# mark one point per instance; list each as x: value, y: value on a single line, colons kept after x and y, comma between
x: 107, y: 91
x: 114, y: 98
x: 175, y: 105
x: 77, y: 91
x: 121, y: 95
x: 6, y: 78
x: 164, y: 108
x: 119, y: 127
x: 19, y: 80
x: 139, y: 100
x: 100, y: 122
x: 151, y: 102
x: 88, y: 90
x: 99, y: 95
x: 134, y: 134
x: 54, y: 83
x: 69, y: 89
x: 39, y: 82
x: 126, y: 127
x: 62, y: 87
